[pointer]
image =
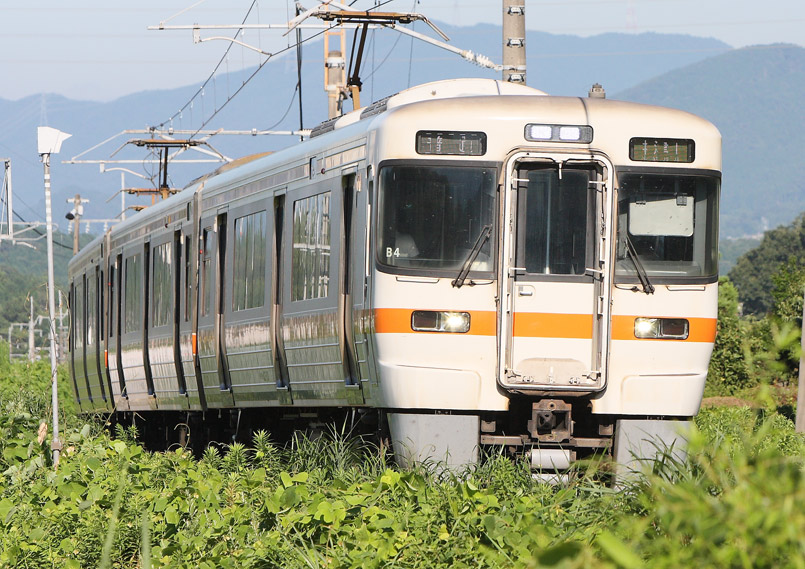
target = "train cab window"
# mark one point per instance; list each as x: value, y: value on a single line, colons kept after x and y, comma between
x: 554, y: 220
x: 249, y: 275
x: 310, y: 259
x: 670, y: 223
x: 133, y: 291
x: 162, y: 313
x: 431, y: 217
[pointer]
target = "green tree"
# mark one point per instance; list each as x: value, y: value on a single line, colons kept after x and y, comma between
x: 789, y: 286
x: 728, y: 367
x: 752, y: 273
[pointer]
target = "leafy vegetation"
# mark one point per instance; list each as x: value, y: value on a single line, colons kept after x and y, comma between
x: 753, y: 272
x: 333, y: 501
x: 762, y: 345
x: 24, y: 277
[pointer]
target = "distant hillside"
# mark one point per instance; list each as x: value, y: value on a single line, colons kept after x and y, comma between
x: 562, y: 65
x: 754, y: 96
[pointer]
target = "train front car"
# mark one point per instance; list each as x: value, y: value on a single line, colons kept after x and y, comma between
x: 545, y: 276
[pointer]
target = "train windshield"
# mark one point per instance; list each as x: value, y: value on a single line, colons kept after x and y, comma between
x: 431, y: 217
x: 667, y: 228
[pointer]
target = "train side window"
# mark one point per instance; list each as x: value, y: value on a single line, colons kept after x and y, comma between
x: 249, y: 275
x: 310, y: 259
x: 91, y: 310
x: 78, y: 300
x: 206, y: 271
x: 161, y: 285
x: 134, y: 287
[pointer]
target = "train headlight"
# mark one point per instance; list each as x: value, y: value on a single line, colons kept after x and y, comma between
x: 439, y: 321
x: 558, y: 133
x: 661, y: 328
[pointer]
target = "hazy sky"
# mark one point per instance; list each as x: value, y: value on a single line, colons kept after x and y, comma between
x: 101, y: 50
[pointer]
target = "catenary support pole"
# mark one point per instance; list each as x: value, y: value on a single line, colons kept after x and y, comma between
x: 514, y: 62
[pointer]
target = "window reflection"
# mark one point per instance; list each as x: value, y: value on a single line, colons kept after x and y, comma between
x: 310, y: 259
x: 672, y: 221
x: 249, y: 262
x: 431, y: 216
x: 554, y: 218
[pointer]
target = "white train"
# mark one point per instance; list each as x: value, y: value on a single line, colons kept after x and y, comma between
x: 470, y: 261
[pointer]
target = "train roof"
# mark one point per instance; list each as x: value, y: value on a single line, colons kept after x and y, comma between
x: 611, y: 118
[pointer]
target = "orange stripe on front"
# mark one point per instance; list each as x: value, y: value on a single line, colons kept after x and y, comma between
x: 547, y: 325
x: 700, y: 330
x: 398, y: 321
x: 539, y: 325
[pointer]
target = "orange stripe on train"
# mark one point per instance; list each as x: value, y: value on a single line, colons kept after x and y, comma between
x: 539, y: 325
x: 701, y: 329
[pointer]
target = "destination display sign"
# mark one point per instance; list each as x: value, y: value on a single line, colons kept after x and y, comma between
x: 661, y: 150
x: 451, y: 143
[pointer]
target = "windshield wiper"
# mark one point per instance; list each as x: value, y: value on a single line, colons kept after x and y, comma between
x: 465, y: 268
x: 648, y: 288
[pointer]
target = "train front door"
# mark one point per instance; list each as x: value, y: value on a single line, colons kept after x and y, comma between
x: 555, y: 281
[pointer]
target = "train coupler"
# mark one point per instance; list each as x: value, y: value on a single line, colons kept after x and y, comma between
x: 550, y: 421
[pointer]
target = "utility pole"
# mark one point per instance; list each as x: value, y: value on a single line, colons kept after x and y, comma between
x: 75, y: 216
x: 514, y: 66
x: 49, y: 142
x: 31, y: 343
x: 9, y: 199
x: 800, y: 418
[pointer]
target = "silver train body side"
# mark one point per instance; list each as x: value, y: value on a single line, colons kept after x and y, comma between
x: 479, y: 262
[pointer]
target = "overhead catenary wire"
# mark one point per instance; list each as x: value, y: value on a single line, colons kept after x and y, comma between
x: 35, y: 230
x: 200, y: 91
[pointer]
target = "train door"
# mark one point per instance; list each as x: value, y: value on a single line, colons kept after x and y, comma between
x: 114, y: 360
x: 554, y: 276
x: 351, y: 292
x: 247, y: 338
x: 169, y: 387
x: 78, y: 335
x: 95, y: 379
x: 131, y: 353
x: 310, y: 317
x: 187, y: 309
x: 284, y: 394
x: 209, y: 340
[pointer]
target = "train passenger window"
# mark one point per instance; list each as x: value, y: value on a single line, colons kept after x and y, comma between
x: 310, y: 258
x: 92, y: 307
x: 79, y: 315
x: 206, y: 271
x: 554, y: 218
x: 162, y: 314
x: 430, y: 217
x: 249, y: 275
x: 671, y: 223
x: 134, y: 287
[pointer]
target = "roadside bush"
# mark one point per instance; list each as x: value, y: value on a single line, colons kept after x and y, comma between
x: 728, y: 370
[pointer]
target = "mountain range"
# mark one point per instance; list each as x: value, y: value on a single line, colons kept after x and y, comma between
x: 751, y: 94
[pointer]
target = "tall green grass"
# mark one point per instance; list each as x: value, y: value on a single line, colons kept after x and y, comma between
x: 331, y: 500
